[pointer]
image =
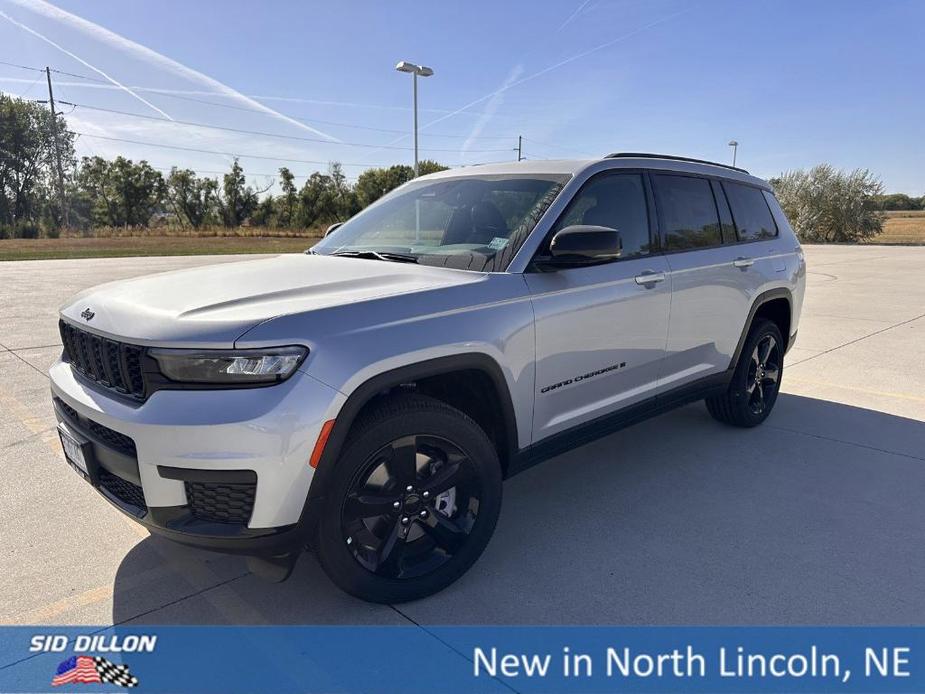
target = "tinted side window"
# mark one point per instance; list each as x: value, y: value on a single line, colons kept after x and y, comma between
x: 750, y: 211
x: 617, y: 201
x: 687, y: 212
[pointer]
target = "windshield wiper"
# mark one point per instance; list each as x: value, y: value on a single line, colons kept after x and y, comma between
x: 379, y: 255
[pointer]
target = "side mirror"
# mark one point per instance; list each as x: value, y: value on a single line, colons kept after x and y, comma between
x: 583, y: 244
x: 333, y: 227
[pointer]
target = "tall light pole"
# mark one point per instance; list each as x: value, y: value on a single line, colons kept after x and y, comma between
x: 415, y: 70
x: 735, y: 149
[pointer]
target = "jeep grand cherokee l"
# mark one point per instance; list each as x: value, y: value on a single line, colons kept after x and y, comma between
x: 366, y: 399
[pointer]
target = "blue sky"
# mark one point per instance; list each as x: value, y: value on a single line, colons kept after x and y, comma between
x: 796, y: 83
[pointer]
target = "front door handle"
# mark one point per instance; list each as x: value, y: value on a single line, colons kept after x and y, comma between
x: 743, y: 262
x: 649, y: 277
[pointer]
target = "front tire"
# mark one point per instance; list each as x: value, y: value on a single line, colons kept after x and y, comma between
x: 756, y: 380
x: 412, y: 502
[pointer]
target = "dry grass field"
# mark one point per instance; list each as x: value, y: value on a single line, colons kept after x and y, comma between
x: 900, y: 228
x: 903, y: 228
x: 124, y: 246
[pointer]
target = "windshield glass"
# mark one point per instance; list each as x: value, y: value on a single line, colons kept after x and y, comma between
x: 469, y: 222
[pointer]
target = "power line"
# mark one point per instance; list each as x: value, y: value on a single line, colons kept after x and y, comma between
x: 30, y: 87
x: 267, y: 134
x: 240, y: 155
x: 22, y: 67
x: 319, y: 121
x: 184, y: 97
x: 167, y: 93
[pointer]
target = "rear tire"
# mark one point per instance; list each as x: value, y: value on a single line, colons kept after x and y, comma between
x: 756, y: 380
x: 412, y: 502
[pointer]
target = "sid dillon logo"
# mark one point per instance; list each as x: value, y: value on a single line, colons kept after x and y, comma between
x: 85, y: 668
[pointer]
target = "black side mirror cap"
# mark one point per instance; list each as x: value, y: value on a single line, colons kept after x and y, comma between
x: 583, y: 244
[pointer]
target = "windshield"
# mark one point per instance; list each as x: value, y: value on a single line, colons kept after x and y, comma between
x: 469, y: 222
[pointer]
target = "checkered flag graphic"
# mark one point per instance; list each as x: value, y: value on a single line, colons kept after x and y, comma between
x: 111, y: 673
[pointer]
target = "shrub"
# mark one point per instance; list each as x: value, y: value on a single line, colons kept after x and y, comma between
x: 825, y: 205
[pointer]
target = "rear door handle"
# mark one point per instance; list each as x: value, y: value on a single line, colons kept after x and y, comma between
x: 743, y: 262
x: 649, y: 277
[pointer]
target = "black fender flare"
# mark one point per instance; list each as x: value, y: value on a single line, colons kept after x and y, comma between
x: 760, y: 300
x: 369, y: 389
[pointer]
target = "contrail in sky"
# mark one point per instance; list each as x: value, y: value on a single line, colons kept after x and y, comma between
x: 550, y: 68
x: 83, y: 62
x: 574, y: 14
x: 151, y: 57
x: 493, y: 105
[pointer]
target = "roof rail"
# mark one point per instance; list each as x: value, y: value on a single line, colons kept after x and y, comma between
x: 649, y: 155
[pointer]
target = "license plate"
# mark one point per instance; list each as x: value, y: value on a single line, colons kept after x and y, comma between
x: 73, y: 450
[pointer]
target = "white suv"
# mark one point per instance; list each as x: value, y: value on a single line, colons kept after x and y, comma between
x: 367, y: 398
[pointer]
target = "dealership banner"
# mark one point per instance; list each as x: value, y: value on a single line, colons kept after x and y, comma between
x: 410, y: 659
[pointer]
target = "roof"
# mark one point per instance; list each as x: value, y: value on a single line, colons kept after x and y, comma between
x: 622, y: 161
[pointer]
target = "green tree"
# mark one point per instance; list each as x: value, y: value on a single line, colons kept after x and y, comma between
x: 193, y: 199
x: 287, y: 202
x: 372, y: 184
x: 28, y: 181
x: 897, y: 201
x: 429, y: 166
x: 317, y: 201
x: 825, y: 205
x: 121, y: 192
x: 238, y: 200
x: 345, y: 199
x: 264, y: 213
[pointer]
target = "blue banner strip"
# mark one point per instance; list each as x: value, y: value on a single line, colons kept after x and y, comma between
x: 410, y: 659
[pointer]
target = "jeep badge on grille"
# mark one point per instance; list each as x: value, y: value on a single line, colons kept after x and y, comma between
x: 87, y: 314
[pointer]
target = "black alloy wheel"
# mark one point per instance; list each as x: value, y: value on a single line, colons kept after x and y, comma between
x: 763, y: 374
x: 756, y: 379
x: 412, y: 507
x: 411, y: 502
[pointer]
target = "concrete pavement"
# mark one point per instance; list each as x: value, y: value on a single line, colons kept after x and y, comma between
x: 815, y: 517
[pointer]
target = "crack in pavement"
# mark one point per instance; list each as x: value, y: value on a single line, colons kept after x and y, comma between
x: 863, y: 337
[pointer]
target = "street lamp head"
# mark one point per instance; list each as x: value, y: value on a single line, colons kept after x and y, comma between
x: 733, y: 143
x: 420, y: 70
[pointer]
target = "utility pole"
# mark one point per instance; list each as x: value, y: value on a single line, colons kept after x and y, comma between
x: 54, y: 133
x: 520, y: 147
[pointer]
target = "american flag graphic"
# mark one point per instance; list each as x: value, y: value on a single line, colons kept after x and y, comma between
x: 86, y: 669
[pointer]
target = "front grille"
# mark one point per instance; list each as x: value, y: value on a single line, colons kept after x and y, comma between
x: 123, y: 490
x: 114, y: 365
x: 221, y: 503
x: 109, y: 437
x: 113, y: 439
x: 68, y: 410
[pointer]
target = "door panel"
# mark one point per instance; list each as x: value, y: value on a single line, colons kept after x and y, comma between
x: 600, y: 339
x: 713, y: 278
x: 710, y: 301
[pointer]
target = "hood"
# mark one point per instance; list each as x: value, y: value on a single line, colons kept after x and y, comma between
x: 212, y: 306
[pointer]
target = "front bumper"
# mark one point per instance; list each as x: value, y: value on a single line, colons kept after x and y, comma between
x: 220, y: 469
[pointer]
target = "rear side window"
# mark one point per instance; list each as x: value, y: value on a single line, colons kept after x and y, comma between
x: 750, y: 211
x: 687, y: 212
x: 617, y: 201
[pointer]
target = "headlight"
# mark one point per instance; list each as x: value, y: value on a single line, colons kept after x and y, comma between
x: 229, y: 367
